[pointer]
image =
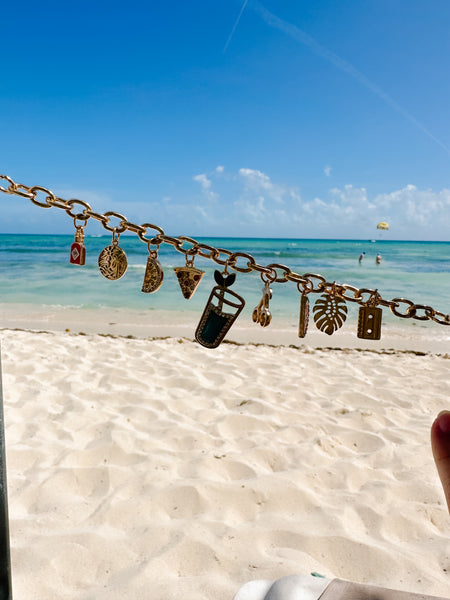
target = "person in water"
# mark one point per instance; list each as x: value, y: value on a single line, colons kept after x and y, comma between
x: 378, y: 259
x: 361, y: 256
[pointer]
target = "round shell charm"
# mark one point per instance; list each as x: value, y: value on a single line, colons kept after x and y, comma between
x: 112, y: 262
x: 153, y: 276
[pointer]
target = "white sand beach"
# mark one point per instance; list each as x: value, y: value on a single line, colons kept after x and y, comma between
x: 155, y: 468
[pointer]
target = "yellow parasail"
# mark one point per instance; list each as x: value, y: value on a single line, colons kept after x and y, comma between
x: 383, y: 225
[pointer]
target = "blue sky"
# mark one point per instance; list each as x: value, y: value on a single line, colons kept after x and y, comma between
x: 277, y: 118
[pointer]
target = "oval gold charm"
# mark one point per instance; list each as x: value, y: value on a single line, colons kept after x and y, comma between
x: 153, y: 277
x: 112, y: 262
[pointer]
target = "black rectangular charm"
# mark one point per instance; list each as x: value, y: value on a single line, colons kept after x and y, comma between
x: 369, y: 322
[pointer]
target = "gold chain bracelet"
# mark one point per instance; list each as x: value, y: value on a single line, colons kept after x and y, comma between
x: 224, y: 305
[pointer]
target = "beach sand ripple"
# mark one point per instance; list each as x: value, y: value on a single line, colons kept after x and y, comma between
x: 159, y: 469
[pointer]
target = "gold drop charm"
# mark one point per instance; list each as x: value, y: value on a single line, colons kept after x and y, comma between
x: 112, y: 261
x: 154, y: 274
x: 330, y: 312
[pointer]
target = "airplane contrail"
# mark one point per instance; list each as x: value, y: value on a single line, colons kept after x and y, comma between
x: 235, y: 25
x: 337, y: 61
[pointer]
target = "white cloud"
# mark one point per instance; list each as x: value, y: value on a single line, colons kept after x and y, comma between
x: 202, y: 212
x: 258, y: 182
x: 350, y: 194
x: 203, y: 181
x: 327, y: 170
x: 220, y: 169
x: 421, y: 207
x: 267, y: 208
x: 206, y: 184
x: 262, y: 206
x: 295, y: 196
x: 252, y: 204
x: 255, y: 175
x: 251, y: 210
x: 411, y: 213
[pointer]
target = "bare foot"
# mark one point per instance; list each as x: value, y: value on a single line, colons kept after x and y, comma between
x: 440, y: 444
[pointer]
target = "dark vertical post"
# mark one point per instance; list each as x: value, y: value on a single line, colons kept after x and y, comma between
x: 5, y: 559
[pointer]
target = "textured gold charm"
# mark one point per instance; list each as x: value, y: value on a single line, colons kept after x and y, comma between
x: 369, y: 322
x: 261, y: 313
x: 188, y: 277
x: 153, y: 277
x: 112, y: 261
x: 304, y: 316
x: 330, y: 313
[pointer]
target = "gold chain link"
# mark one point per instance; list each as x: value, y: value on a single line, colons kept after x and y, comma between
x: 274, y: 271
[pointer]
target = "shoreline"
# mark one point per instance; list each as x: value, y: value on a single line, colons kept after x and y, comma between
x: 413, y: 336
x: 180, y: 339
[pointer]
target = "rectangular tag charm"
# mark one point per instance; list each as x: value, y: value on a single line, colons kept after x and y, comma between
x: 369, y: 322
x: 78, y: 250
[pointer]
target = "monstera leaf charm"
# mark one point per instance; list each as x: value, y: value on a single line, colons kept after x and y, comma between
x: 330, y: 313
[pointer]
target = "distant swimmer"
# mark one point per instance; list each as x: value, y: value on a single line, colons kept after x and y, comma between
x: 361, y: 256
x: 378, y: 259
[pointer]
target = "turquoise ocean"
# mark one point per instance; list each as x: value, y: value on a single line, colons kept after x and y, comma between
x: 35, y: 270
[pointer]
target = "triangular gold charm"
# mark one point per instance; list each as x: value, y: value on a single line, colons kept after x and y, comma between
x: 188, y: 277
